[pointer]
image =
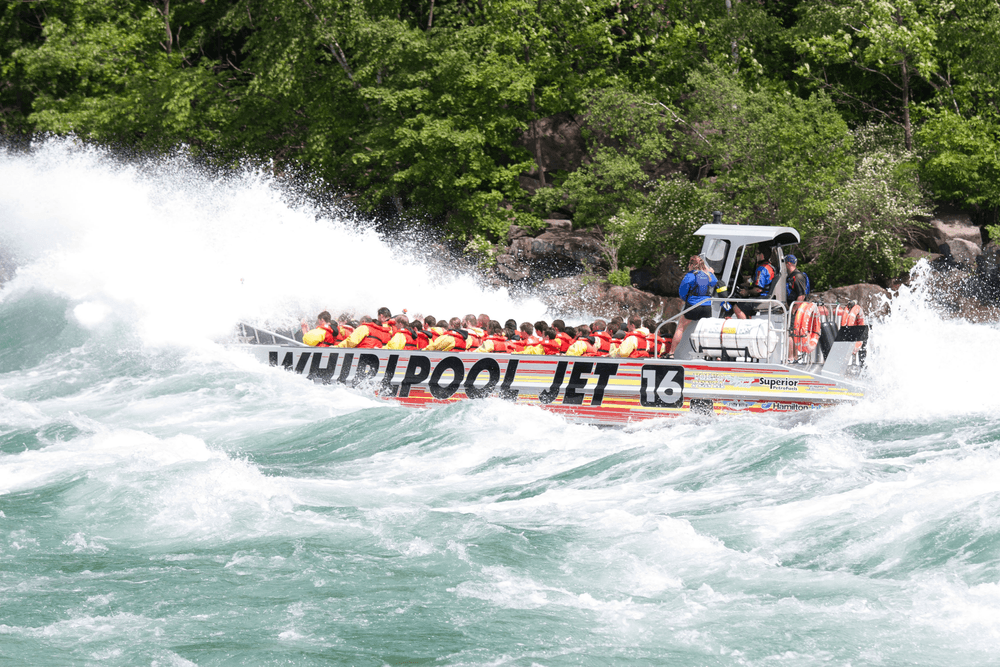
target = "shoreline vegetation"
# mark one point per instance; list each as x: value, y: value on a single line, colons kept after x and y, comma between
x: 853, y: 121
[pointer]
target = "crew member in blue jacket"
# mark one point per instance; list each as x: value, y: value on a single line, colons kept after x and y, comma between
x: 796, y: 282
x: 763, y: 277
x: 696, y: 289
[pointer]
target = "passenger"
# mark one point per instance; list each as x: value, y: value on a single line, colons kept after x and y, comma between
x: 369, y: 334
x: 540, y: 327
x: 602, y: 339
x: 431, y: 328
x: 345, y: 328
x: 510, y: 330
x: 325, y: 333
x: 459, y: 339
x: 494, y: 342
x: 483, y: 321
x: 423, y: 338
x: 634, y: 345
x: 696, y: 289
x: 550, y: 342
x: 531, y: 342
x: 404, y: 336
x: 763, y: 276
x: 584, y: 344
x: 616, y: 324
x: 796, y: 283
x: 565, y: 340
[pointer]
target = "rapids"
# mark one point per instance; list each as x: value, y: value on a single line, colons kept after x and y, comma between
x: 165, y: 500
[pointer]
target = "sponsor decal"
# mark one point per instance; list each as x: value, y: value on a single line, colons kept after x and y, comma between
x: 777, y: 383
x: 719, y: 380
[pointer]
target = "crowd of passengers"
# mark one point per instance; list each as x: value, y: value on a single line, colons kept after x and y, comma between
x: 618, y: 337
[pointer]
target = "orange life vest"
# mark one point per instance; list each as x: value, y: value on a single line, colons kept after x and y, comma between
x: 464, y: 339
x: 500, y: 344
x: 345, y: 332
x: 602, y: 342
x: 412, y: 342
x: 641, y: 349
x: 378, y: 336
x: 329, y: 338
x: 551, y: 346
x: 564, y: 341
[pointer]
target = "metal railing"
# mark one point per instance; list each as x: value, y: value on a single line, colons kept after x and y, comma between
x: 772, y: 305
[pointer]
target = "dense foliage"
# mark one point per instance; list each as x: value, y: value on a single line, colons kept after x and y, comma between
x: 426, y: 109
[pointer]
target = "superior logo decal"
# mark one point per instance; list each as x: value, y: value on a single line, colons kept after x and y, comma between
x: 449, y: 374
x: 777, y: 383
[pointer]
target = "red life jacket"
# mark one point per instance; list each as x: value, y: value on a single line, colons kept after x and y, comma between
x: 564, y: 341
x: 602, y: 341
x: 423, y: 340
x: 345, y: 332
x: 464, y: 340
x: 499, y: 344
x: 640, y: 350
x: 378, y: 336
x: 412, y: 342
x: 591, y: 345
x: 551, y: 346
x: 328, y: 337
x: 516, y: 344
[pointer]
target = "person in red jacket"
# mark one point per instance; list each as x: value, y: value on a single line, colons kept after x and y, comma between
x: 369, y: 335
x: 602, y: 339
x: 565, y: 340
x: 494, y: 341
x: 324, y: 334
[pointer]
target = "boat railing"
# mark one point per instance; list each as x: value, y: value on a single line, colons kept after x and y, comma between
x: 772, y: 305
x: 260, y: 336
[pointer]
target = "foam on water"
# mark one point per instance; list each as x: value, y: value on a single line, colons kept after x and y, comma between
x: 187, y: 255
x: 164, y: 500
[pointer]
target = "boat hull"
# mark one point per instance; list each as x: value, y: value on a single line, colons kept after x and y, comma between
x: 598, y: 390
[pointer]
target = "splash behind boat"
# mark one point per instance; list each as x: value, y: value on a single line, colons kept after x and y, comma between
x: 784, y: 359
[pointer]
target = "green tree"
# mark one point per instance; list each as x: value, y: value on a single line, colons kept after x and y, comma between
x: 774, y: 157
x: 880, y: 56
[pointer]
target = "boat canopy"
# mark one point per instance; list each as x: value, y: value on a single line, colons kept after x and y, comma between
x: 741, y: 235
x: 722, y: 251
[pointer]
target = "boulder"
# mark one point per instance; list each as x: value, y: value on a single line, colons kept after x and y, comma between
x: 559, y: 251
x: 667, y: 276
x: 561, y: 142
x: 959, y: 252
x: 874, y: 300
x: 590, y: 295
x: 947, y: 227
x: 986, y: 286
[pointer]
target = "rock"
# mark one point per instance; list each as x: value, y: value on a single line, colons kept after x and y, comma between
x: 667, y: 277
x: 954, y: 292
x: 557, y: 252
x: 986, y: 286
x: 561, y: 142
x: 917, y: 254
x: 592, y: 296
x: 960, y: 252
x: 874, y: 300
x: 955, y: 226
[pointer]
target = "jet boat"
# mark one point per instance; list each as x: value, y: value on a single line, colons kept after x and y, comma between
x: 786, y: 358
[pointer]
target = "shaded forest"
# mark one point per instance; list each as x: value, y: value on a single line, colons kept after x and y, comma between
x: 849, y: 120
